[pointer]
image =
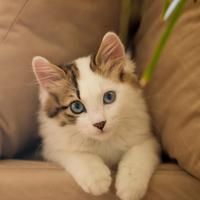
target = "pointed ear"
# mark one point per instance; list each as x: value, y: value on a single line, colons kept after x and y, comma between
x: 111, y: 49
x: 45, y: 72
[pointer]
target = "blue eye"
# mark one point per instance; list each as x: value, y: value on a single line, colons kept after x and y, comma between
x: 109, y: 97
x: 77, y: 107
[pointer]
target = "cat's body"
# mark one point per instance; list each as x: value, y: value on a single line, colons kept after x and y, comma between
x: 112, y: 128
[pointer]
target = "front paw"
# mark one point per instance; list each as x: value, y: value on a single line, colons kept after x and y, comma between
x: 130, y: 185
x: 95, y: 180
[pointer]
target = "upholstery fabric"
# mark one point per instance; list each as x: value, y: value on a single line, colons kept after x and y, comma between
x: 173, y: 93
x: 41, y: 180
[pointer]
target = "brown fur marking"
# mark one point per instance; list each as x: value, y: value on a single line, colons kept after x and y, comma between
x: 62, y: 93
x: 114, y: 71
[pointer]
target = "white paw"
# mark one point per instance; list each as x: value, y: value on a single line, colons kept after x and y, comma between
x: 95, y: 180
x: 130, y: 186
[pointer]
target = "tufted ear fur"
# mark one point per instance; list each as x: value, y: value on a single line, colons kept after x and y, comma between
x: 110, y: 50
x: 45, y: 72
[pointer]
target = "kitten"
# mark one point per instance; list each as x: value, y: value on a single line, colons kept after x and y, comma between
x: 93, y: 116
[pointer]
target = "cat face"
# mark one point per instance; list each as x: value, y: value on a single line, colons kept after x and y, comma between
x: 90, y: 96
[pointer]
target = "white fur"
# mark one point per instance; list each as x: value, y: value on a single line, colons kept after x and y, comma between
x: 85, y: 152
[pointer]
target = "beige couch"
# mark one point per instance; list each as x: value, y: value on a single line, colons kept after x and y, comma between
x: 64, y: 30
x: 32, y: 180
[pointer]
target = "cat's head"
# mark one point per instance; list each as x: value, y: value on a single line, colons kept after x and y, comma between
x: 93, y: 95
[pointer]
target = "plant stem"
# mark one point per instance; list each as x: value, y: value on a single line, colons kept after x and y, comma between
x: 163, y: 40
x: 125, y: 19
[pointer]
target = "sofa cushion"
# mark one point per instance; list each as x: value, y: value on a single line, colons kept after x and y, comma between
x: 42, y: 180
x: 171, y: 182
x: 173, y: 93
x: 59, y: 30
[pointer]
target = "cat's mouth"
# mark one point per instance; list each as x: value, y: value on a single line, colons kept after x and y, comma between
x: 102, y: 135
x: 103, y: 132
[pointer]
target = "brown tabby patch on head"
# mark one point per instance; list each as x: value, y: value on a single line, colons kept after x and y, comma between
x: 61, y: 94
x: 114, y: 71
x: 72, y: 73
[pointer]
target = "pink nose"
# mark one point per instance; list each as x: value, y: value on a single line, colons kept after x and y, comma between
x: 100, y: 125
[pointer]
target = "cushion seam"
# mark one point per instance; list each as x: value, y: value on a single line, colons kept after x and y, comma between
x: 14, y: 21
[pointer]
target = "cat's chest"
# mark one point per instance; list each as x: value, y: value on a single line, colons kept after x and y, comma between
x: 110, y: 151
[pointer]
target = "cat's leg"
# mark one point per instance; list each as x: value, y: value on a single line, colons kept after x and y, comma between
x: 88, y: 170
x: 135, y: 170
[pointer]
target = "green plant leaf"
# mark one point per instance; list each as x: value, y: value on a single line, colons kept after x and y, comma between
x: 167, y: 3
x: 161, y: 44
